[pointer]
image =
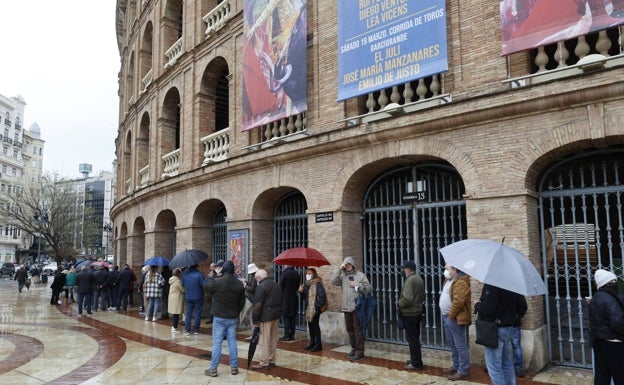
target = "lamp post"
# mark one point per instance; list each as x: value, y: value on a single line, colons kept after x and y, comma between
x: 107, y: 227
x: 41, y: 216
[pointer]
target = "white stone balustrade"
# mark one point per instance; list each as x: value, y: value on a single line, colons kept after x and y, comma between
x: 143, y: 177
x: 129, y: 186
x: 216, y: 146
x: 147, y: 80
x: 174, y: 52
x: 284, y: 127
x: 217, y: 17
x: 171, y: 164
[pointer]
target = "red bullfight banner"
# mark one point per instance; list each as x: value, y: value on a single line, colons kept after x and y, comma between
x: 274, y: 60
x: 529, y: 24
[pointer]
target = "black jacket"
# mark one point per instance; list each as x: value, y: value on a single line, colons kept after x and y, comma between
x: 606, y: 315
x: 85, y: 282
x: 500, y: 306
x: 267, y: 302
x: 228, y: 296
x: 125, y: 279
x: 321, y: 296
x: 289, y: 283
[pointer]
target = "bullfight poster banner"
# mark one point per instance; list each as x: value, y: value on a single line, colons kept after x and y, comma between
x: 528, y: 24
x: 382, y: 43
x: 274, y: 60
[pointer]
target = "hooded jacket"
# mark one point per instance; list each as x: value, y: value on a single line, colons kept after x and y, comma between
x: 349, y: 294
x: 228, y: 294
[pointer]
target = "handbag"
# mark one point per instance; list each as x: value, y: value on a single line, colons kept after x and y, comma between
x: 487, y: 333
x: 400, y: 320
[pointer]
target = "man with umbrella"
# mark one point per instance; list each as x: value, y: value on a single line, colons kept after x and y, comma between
x: 353, y: 283
x: 502, y: 307
x: 228, y: 299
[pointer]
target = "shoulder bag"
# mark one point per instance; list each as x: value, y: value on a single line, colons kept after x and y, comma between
x: 487, y: 333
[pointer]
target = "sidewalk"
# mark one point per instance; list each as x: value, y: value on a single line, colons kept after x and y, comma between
x: 46, y: 344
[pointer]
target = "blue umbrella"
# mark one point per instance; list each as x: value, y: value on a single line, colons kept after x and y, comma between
x: 156, y: 261
x: 365, y: 305
x: 85, y: 262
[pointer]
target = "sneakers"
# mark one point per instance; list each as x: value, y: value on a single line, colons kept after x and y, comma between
x: 412, y: 367
x: 457, y: 376
x: 187, y: 334
x: 154, y: 319
x: 174, y: 330
x: 211, y: 372
x: 234, y: 371
x: 147, y: 318
x: 196, y: 333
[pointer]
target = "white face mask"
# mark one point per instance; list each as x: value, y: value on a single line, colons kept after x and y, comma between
x: 447, y: 274
x: 308, y: 277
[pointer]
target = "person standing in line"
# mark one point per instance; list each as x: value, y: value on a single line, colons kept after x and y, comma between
x: 152, y: 290
x: 70, y: 283
x: 124, y: 284
x: 57, y: 287
x: 228, y: 299
x: 456, y: 315
x: 289, y: 283
x: 176, y: 298
x: 606, y: 320
x: 353, y: 283
x: 516, y: 342
x: 113, y: 291
x: 102, y: 277
x: 193, y: 281
x: 85, y: 282
x: 250, y: 292
x: 268, y: 303
x: 411, y: 307
x: 500, y: 306
x: 315, y: 298
x: 165, y: 271
x: 20, y: 277
x: 142, y: 300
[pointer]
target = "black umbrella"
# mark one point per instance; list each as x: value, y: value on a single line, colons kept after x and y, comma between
x: 255, y: 336
x: 187, y: 258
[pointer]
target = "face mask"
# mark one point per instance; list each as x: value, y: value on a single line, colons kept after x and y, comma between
x: 308, y: 277
x: 447, y: 274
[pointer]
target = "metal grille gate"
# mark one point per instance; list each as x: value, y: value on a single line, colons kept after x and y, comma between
x: 404, y: 223
x: 582, y: 229
x: 290, y: 225
x: 219, y: 236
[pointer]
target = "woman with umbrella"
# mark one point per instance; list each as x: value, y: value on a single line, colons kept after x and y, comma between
x: 315, y: 298
x: 152, y: 290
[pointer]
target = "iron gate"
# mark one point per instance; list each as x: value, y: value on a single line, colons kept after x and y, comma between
x: 290, y: 225
x: 582, y: 229
x: 219, y: 236
x: 409, y: 214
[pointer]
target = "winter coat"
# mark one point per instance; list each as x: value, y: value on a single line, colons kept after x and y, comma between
x: 321, y: 295
x: 606, y: 315
x: 176, y: 296
x: 153, y: 285
x: 193, y: 281
x: 461, y: 310
x: 349, y: 295
x: 412, y: 296
x: 59, y: 282
x: 70, y: 279
x: 268, y: 302
x: 499, y: 305
x: 289, y: 283
x: 85, y: 282
x: 125, y: 279
x: 228, y: 296
x: 101, y: 278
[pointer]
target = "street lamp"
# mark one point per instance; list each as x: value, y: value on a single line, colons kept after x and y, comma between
x: 41, y: 216
x: 107, y: 227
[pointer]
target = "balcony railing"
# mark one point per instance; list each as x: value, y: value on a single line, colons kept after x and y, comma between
x: 217, y: 17
x: 216, y: 146
x: 129, y: 186
x: 284, y: 127
x: 174, y: 52
x: 171, y: 164
x: 147, y: 80
x: 143, y: 177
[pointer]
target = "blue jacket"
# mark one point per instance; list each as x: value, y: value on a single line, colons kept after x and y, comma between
x: 193, y: 281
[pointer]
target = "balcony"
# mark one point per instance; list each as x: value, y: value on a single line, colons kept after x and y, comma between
x: 129, y: 186
x: 216, y: 146
x: 171, y: 164
x: 174, y: 52
x: 143, y: 177
x: 218, y: 17
x: 7, y: 122
x: 147, y: 80
x: 279, y: 129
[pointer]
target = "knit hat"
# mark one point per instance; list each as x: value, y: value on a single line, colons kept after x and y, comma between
x: 603, y: 277
x: 220, y: 263
x: 228, y: 267
x: 252, y: 268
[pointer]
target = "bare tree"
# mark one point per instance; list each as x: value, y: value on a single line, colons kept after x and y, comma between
x: 49, y: 209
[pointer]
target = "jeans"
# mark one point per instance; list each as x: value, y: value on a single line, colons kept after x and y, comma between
x: 412, y: 335
x: 86, y: 298
x: 499, y: 360
x: 516, y: 346
x: 457, y: 338
x: 193, y: 311
x: 224, y: 327
x: 152, y: 305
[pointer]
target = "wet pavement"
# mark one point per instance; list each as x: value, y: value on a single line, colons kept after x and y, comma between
x: 49, y: 344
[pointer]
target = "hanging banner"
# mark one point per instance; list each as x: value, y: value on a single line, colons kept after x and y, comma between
x: 382, y: 43
x: 528, y: 24
x: 274, y: 60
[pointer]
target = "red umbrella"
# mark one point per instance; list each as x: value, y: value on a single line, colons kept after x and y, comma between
x: 301, y: 257
x: 101, y: 263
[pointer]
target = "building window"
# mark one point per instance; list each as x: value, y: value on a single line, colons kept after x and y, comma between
x: 34, y: 150
x: 15, y: 154
x: 13, y: 171
x: 5, y: 151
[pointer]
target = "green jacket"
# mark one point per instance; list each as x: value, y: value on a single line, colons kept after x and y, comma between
x: 412, y: 296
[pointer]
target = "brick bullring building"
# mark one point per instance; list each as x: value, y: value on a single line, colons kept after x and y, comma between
x: 220, y: 149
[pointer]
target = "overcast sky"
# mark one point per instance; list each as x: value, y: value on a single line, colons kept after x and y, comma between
x: 62, y: 58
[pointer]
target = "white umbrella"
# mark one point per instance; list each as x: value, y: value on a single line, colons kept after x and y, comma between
x: 495, y: 264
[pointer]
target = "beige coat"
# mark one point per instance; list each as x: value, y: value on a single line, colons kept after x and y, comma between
x: 176, y: 296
